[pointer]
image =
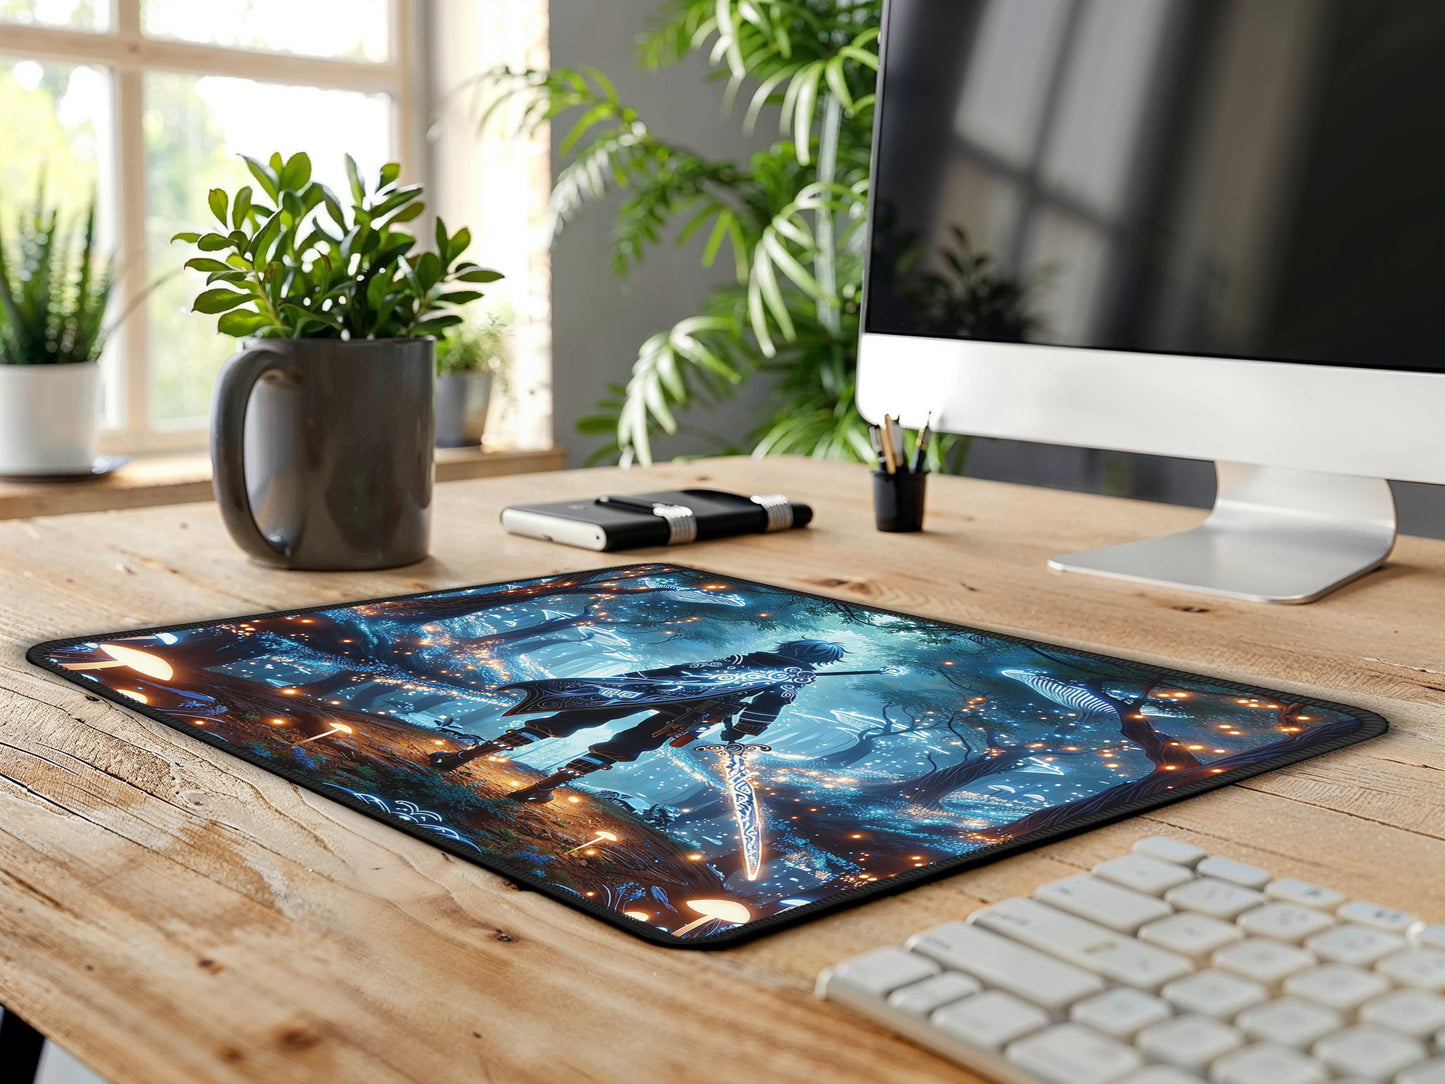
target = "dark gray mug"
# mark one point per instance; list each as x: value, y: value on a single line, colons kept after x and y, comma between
x: 322, y: 451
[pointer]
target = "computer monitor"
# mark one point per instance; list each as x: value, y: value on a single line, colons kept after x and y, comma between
x: 1202, y: 228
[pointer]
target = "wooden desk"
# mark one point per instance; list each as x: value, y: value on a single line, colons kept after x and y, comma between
x: 168, y: 913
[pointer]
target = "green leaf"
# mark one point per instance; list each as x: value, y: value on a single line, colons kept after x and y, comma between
x: 297, y: 171
x: 436, y: 325
x: 353, y: 175
x: 389, y: 173
x: 460, y: 297
x: 203, y: 263
x: 241, y: 324
x: 479, y: 274
x: 218, y: 300
x: 241, y: 206
x: 213, y: 242
x: 265, y: 177
x: 188, y: 237
x: 429, y: 270
x: 216, y: 199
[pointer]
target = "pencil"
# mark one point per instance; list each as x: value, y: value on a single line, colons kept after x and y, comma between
x: 890, y: 456
x: 920, y: 449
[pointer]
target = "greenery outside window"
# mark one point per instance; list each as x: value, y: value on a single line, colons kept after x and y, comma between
x: 146, y: 103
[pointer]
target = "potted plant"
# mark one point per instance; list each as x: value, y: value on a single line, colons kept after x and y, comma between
x: 54, y: 290
x: 337, y: 306
x: 472, y: 360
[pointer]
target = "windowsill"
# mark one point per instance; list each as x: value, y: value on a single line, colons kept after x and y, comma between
x: 176, y: 479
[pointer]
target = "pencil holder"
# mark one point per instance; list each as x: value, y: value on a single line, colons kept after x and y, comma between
x: 898, y: 500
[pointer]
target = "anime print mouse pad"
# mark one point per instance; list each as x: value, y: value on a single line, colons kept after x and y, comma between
x: 694, y: 757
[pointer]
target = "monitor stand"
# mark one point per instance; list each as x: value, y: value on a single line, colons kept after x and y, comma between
x: 1275, y: 535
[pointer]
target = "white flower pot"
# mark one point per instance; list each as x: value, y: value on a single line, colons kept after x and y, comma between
x: 49, y: 418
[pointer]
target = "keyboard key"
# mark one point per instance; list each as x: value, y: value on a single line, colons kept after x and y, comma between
x: 1304, y: 894
x: 1227, y: 869
x: 999, y: 962
x: 1289, y: 1021
x: 878, y: 973
x: 1071, y: 1054
x: 1369, y: 1051
x: 1358, y: 945
x: 1337, y: 986
x: 1188, y: 1042
x: 1415, y: 1012
x: 1143, y: 874
x: 1284, y: 921
x: 922, y: 998
x: 1376, y: 916
x: 1103, y: 902
x: 1264, y: 1063
x: 1190, y: 934
x: 1429, y: 1072
x: 1218, y: 899
x: 1264, y: 961
x: 1422, y: 967
x: 1431, y: 936
x: 1214, y: 993
x: 1082, y: 943
x: 990, y: 1020
x: 1170, y: 850
x: 1120, y: 1012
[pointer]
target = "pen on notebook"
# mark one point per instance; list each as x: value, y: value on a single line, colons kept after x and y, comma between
x: 890, y: 457
x: 920, y: 449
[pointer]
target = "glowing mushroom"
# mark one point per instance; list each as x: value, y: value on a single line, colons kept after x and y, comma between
x: 598, y: 838
x: 142, y: 662
x: 729, y: 911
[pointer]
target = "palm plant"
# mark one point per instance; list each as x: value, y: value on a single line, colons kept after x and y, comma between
x: 54, y: 290
x: 789, y: 218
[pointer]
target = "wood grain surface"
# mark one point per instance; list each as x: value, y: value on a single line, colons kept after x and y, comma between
x: 150, y: 481
x: 169, y: 913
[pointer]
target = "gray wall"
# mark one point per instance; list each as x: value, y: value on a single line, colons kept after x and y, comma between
x: 598, y: 323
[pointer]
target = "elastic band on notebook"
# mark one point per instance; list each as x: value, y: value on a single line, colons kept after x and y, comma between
x: 681, y: 523
x: 778, y: 508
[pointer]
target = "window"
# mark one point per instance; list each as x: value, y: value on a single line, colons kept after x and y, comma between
x: 146, y: 103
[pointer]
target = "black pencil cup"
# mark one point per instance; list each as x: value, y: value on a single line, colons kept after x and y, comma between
x: 898, y: 500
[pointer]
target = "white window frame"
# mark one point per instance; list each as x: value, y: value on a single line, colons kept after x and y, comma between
x: 129, y: 54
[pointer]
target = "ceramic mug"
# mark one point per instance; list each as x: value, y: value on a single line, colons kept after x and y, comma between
x: 322, y: 451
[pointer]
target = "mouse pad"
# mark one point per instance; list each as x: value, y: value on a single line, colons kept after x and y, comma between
x: 693, y: 757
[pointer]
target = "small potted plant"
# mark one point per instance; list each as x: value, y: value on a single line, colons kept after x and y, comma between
x: 472, y: 361
x: 337, y: 305
x: 54, y: 290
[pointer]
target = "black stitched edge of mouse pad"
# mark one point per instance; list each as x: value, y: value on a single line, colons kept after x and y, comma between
x: 729, y: 757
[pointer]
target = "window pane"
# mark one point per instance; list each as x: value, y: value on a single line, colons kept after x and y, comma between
x: 57, y: 126
x: 194, y: 128
x: 350, y: 29
x: 73, y: 14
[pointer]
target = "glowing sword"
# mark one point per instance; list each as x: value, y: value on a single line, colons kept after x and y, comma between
x: 749, y: 814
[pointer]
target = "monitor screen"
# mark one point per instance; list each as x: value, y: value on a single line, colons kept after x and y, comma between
x: 1240, y: 178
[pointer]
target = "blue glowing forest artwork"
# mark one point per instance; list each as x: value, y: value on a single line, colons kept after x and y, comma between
x: 691, y: 751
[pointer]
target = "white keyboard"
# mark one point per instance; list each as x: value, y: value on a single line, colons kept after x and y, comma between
x: 1168, y: 966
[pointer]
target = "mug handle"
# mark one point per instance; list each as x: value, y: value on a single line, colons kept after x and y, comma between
x: 228, y: 451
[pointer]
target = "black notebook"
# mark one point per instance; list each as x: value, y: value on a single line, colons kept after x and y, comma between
x: 620, y: 523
